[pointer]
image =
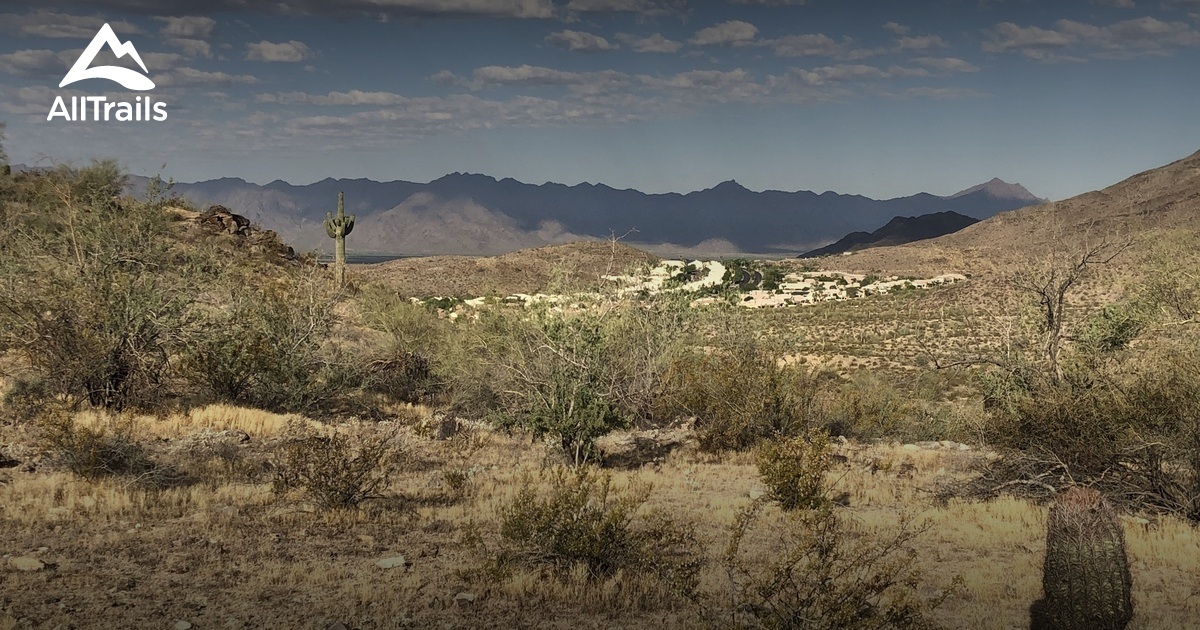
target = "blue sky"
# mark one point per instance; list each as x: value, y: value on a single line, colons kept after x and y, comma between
x: 871, y: 97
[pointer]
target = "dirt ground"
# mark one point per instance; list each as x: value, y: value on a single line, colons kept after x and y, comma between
x: 228, y: 553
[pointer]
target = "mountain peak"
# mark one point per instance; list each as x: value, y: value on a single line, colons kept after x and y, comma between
x: 1000, y: 189
x: 729, y: 185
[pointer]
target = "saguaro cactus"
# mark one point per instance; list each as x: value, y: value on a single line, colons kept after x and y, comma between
x: 338, y: 228
x: 1086, y: 577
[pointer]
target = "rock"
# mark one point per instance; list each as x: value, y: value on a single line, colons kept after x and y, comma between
x: 87, y: 502
x: 26, y: 563
x: 337, y: 625
x: 464, y: 599
x: 911, y: 447
x: 393, y: 562
x: 633, y: 449
x: 756, y: 494
x: 183, y: 625
x: 226, y: 220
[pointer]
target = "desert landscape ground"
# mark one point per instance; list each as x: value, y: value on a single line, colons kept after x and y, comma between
x: 203, y: 430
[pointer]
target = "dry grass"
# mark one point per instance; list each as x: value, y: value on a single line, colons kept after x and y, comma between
x: 527, y: 271
x: 122, y: 557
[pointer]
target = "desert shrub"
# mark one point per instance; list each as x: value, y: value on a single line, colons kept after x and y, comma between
x: 793, y: 470
x: 94, y: 453
x: 265, y: 346
x: 581, y: 520
x: 337, y: 472
x: 869, y: 406
x: 811, y: 569
x: 740, y: 396
x: 577, y: 375
x: 92, y: 294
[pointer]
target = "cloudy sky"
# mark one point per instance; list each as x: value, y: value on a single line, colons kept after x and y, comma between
x: 880, y: 98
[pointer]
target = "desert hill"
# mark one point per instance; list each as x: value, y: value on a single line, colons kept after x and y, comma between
x: 526, y: 271
x: 898, y: 231
x: 1143, y: 208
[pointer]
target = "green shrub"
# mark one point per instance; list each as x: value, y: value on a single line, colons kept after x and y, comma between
x: 265, y: 346
x: 577, y: 375
x: 335, y: 471
x: 93, y: 295
x: 740, y: 396
x: 582, y: 521
x: 793, y: 469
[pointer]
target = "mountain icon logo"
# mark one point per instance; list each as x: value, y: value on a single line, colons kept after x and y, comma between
x: 129, y: 79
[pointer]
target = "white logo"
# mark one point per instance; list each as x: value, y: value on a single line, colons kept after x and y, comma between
x: 129, y: 79
x: 100, y: 108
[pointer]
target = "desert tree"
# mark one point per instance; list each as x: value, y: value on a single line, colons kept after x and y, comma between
x: 1050, y: 284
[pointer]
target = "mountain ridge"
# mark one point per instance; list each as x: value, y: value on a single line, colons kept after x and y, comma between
x: 898, y: 231
x: 526, y: 215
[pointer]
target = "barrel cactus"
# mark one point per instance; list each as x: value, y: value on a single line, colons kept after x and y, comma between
x: 338, y: 228
x: 1086, y: 579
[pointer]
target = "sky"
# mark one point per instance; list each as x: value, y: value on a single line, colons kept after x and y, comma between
x: 880, y: 98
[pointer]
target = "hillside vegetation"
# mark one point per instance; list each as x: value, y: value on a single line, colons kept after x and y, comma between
x: 201, y: 430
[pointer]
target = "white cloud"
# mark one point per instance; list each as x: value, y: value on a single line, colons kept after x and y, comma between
x: 187, y: 77
x: 43, y: 23
x: 921, y: 42
x: 897, y: 28
x: 644, y: 7
x: 655, y: 43
x: 810, y: 45
x: 731, y: 33
x: 578, y: 41
x: 34, y: 63
x: 947, y: 64
x: 290, y: 51
x: 189, y: 33
x: 1140, y: 37
x: 943, y: 93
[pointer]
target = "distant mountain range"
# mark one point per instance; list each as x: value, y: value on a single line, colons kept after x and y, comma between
x: 476, y: 214
x: 899, y: 231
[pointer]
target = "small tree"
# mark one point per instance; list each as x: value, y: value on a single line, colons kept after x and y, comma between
x: 1051, y: 283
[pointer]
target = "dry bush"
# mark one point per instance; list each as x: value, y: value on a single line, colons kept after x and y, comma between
x: 266, y: 347
x: 740, y: 396
x: 336, y: 472
x: 583, y: 522
x: 793, y: 469
x: 91, y: 295
x: 811, y: 569
x: 576, y: 374
x: 94, y: 453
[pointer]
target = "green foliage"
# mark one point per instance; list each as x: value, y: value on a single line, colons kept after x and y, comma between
x: 264, y: 347
x: 772, y: 277
x: 1086, y: 578
x: 813, y: 571
x: 337, y: 472
x: 581, y: 520
x: 740, y: 396
x: 1112, y: 329
x: 577, y: 375
x: 794, y: 470
x: 93, y: 294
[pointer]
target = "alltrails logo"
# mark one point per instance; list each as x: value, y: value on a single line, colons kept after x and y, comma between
x: 100, y: 108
